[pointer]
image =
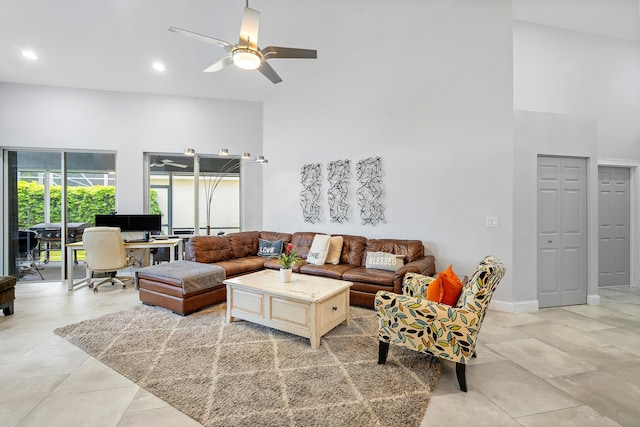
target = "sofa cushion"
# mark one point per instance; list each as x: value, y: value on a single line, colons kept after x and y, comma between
x: 353, y: 249
x: 411, y: 249
x: 384, y: 261
x: 335, y: 249
x: 208, y: 249
x: 244, y: 243
x: 273, y: 263
x: 369, y: 275
x: 302, y: 241
x: 239, y: 266
x: 370, y: 288
x: 269, y: 248
x: 327, y: 270
x: 274, y: 235
x: 319, y: 249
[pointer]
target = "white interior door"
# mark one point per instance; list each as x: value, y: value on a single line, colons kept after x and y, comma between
x: 614, y: 214
x: 562, y: 231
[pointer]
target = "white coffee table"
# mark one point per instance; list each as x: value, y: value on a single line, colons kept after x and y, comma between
x: 308, y: 306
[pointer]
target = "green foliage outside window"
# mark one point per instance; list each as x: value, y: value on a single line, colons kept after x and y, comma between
x: 83, y: 203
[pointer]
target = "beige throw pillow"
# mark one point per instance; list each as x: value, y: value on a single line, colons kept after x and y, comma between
x: 319, y: 247
x: 384, y: 261
x: 335, y: 249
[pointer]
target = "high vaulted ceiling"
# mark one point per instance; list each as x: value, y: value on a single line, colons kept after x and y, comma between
x: 111, y: 44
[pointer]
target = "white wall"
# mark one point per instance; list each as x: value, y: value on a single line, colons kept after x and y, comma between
x: 552, y: 135
x: 442, y: 123
x: 586, y: 92
x: 568, y: 72
x: 131, y: 124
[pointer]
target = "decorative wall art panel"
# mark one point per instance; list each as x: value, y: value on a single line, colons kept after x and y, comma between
x: 369, y: 193
x: 311, y: 180
x: 338, y: 175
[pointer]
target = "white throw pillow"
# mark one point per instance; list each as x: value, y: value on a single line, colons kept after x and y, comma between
x: 335, y: 249
x: 384, y: 261
x: 319, y: 248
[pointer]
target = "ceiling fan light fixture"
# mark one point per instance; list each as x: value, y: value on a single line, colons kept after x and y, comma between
x: 246, y: 59
x: 29, y: 54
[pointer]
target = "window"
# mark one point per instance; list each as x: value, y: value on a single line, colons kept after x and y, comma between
x: 172, y: 189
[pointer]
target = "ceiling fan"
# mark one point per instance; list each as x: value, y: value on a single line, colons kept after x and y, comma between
x: 246, y: 54
x: 167, y: 162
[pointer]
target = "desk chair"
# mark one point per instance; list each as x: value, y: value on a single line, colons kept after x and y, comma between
x: 104, y: 249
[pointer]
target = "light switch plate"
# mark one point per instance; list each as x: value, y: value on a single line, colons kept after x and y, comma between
x: 492, y: 221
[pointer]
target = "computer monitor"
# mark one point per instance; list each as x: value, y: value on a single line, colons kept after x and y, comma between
x: 135, y: 222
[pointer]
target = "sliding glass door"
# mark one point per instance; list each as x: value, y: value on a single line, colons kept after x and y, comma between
x: 52, y: 196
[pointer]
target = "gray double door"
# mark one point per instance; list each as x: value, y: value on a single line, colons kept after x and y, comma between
x: 614, y: 214
x: 562, y: 231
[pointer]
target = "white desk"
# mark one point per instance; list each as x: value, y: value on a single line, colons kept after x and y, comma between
x: 172, y: 244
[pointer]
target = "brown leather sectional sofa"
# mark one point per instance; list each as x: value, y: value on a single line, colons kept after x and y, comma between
x: 237, y: 254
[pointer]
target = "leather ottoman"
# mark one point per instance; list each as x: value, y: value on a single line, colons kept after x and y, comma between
x: 181, y: 286
x: 7, y: 294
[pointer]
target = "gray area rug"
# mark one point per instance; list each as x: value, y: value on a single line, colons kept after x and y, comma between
x: 242, y: 374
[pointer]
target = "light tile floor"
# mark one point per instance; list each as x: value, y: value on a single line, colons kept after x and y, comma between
x: 571, y: 366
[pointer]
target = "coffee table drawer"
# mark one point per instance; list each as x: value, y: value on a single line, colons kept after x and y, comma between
x: 333, y: 309
x: 291, y: 312
x: 248, y: 302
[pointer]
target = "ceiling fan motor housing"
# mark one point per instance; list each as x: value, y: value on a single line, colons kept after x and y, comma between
x: 247, y: 59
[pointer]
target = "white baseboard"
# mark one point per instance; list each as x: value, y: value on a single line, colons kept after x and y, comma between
x: 593, y: 299
x: 514, y: 307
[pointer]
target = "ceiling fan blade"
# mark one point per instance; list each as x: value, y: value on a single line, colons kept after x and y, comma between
x: 274, y: 52
x: 169, y: 162
x: 269, y: 72
x: 223, y: 44
x: 249, y: 28
x: 227, y: 60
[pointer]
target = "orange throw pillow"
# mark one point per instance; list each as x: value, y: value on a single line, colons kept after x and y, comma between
x: 446, y: 288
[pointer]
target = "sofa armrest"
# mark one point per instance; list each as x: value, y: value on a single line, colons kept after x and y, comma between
x: 425, y: 265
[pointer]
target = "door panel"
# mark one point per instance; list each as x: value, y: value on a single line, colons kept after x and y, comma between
x: 549, y: 261
x: 562, y: 231
x: 614, y: 209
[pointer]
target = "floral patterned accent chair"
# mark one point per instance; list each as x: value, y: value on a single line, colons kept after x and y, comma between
x: 410, y: 320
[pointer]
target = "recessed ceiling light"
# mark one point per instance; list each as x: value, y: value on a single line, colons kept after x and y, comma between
x: 29, y: 54
x: 158, y: 66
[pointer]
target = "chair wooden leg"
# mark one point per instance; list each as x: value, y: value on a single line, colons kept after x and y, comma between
x: 383, y: 351
x: 461, y: 375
